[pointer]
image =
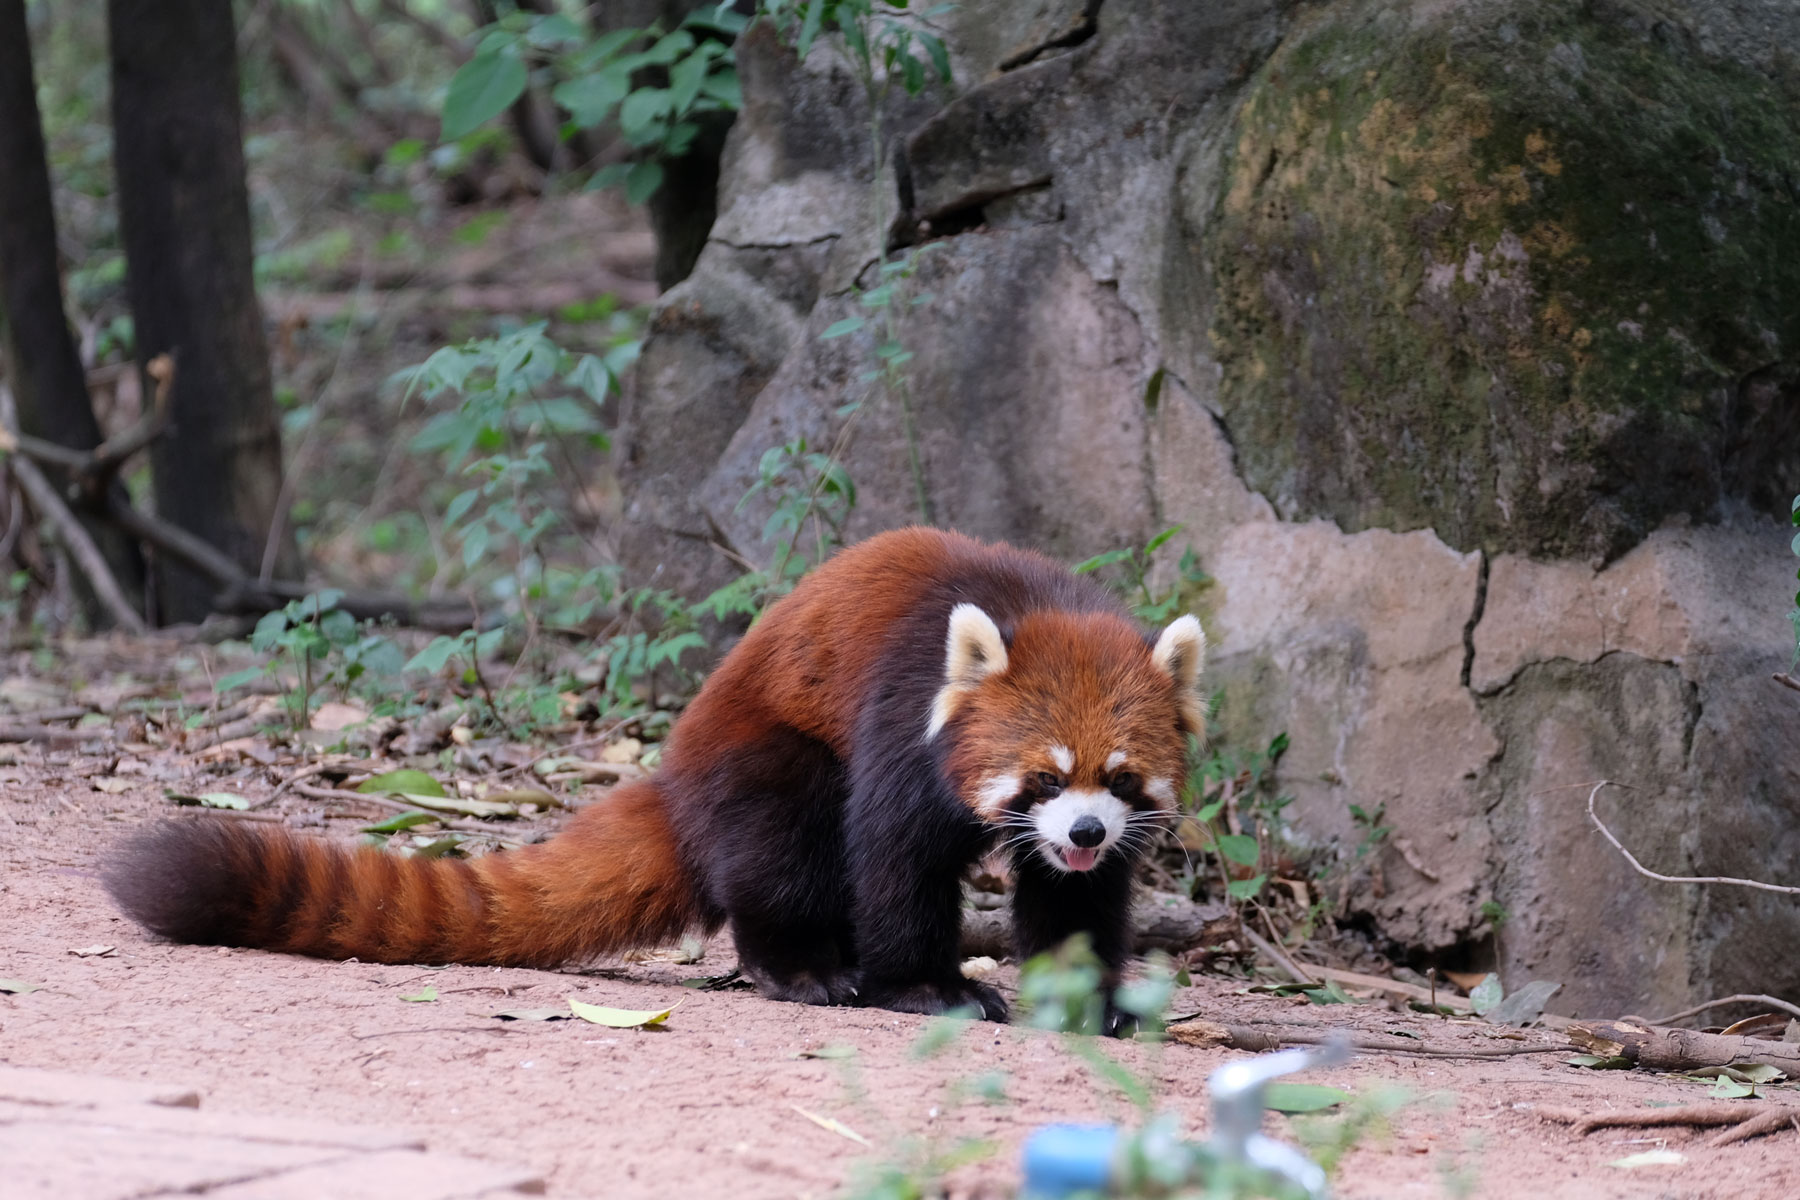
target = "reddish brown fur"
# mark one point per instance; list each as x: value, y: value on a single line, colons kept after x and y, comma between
x: 800, y: 795
x: 611, y: 881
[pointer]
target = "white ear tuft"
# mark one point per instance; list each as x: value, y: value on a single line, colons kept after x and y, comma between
x: 1181, y: 652
x: 973, y: 650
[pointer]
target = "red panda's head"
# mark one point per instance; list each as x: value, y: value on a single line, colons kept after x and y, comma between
x: 1074, y: 733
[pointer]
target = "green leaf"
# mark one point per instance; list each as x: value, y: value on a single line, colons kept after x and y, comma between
x: 940, y: 60
x: 435, y: 654
x: 620, y: 1018
x: 723, y: 86
x: 835, y: 1051
x: 591, y: 99
x: 1245, y: 889
x: 482, y: 89
x: 1727, y: 1088
x: 642, y: 181
x: 208, y: 800
x: 1240, y: 848
x: 467, y: 808
x: 809, y: 27
x: 238, y: 679
x: 1302, y: 1097
x: 426, y: 995
x: 1156, y: 543
x: 400, y: 821
x: 640, y: 110
x: 417, y: 783
x: 1596, y: 1063
x: 840, y: 328
x: 1486, y: 994
x: 16, y: 987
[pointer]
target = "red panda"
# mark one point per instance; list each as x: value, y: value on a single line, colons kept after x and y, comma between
x: 919, y: 700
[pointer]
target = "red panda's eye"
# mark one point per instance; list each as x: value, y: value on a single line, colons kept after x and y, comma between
x: 1125, y: 784
x: 1050, y: 784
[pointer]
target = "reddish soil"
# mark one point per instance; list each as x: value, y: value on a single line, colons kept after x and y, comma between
x: 708, y: 1105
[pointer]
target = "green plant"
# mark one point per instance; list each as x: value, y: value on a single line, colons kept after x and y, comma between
x: 1370, y: 826
x: 515, y: 396
x: 1127, y: 571
x: 323, y: 646
x: 1224, y: 783
x: 595, y: 79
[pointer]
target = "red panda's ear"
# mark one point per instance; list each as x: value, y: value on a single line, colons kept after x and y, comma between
x: 973, y: 650
x: 1181, y: 652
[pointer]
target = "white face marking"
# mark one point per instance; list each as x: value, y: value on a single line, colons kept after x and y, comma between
x: 1162, y: 791
x: 1115, y: 760
x: 1063, y: 757
x: 993, y: 794
x: 1055, y: 817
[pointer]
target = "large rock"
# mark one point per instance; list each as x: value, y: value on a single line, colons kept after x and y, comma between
x: 1522, y: 273
x: 1460, y: 339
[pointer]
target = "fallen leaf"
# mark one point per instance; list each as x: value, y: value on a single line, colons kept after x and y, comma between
x: 16, y: 987
x: 448, y: 845
x: 717, y: 983
x: 839, y: 1051
x: 93, y: 951
x: 517, y: 796
x: 467, y: 808
x: 1649, y: 1158
x: 1485, y: 995
x: 625, y: 750
x: 1727, y: 1088
x: 209, y: 800
x: 1596, y: 1063
x: 333, y: 716
x: 426, y: 995
x: 1302, y: 1097
x: 619, y: 1018
x: 835, y: 1126
x: 405, y: 780
x: 532, y: 1014
x: 395, y: 824
x: 1525, y: 1005
x: 112, y: 785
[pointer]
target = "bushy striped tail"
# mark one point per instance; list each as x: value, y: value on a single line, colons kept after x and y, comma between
x: 611, y: 881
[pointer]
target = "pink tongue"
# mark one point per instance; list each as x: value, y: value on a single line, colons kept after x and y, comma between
x: 1080, y: 859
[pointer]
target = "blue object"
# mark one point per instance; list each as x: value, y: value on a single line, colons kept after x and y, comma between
x: 1062, y: 1160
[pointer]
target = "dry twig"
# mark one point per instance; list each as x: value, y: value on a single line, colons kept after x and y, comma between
x: 1641, y: 869
x: 1770, y: 1001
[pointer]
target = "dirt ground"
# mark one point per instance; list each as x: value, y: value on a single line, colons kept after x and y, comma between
x: 711, y: 1104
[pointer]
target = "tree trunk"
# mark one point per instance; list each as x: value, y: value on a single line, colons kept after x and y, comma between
x: 185, y: 218
x: 47, y: 378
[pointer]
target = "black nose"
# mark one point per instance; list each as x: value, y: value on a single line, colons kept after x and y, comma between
x: 1087, y: 832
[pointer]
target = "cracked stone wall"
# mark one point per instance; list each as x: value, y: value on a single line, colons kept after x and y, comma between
x: 1471, y: 388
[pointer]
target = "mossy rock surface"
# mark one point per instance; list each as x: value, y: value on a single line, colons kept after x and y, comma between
x: 1526, y: 274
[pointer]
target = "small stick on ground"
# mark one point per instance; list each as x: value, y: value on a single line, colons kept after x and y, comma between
x: 1211, y: 1034
x: 290, y: 781
x: 1280, y: 957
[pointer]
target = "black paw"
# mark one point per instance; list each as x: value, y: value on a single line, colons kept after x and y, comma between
x: 934, y: 998
x: 828, y: 987
x: 1116, y: 1022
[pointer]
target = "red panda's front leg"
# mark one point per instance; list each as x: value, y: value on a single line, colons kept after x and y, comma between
x: 909, y: 842
x: 1049, y: 906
